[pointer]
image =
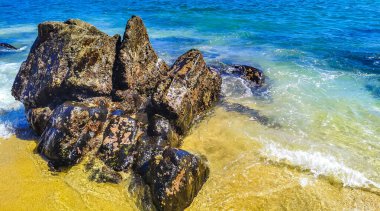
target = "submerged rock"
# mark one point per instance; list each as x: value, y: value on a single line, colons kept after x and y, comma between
x: 250, y: 73
x: 139, y: 67
x: 68, y: 61
x: 191, y: 90
x: 175, y: 177
x: 101, y: 173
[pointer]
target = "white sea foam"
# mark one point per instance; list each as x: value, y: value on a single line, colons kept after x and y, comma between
x: 18, y: 29
x: 235, y: 87
x: 6, y: 130
x: 318, y: 164
x: 11, y: 112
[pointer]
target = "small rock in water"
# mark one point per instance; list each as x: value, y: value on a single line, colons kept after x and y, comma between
x: 7, y: 46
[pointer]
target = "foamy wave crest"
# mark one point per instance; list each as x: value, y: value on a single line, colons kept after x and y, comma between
x: 12, y: 117
x: 18, y: 29
x: 6, y: 130
x: 319, y: 164
x: 235, y: 87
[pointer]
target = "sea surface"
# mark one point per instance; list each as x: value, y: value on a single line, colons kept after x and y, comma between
x: 310, y: 139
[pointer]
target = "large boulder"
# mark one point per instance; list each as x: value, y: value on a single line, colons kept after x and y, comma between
x: 191, y: 90
x: 174, y: 178
x: 68, y: 61
x: 87, y: 93
x: 139, y: 67
x: 72, y: 131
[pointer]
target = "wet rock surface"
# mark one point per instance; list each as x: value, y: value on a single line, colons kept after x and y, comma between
x: 71, y: 131
x: 89, y: 94
x: 120, y: 136
x: 69, y: 60
x: 174, y: 177
x: 191, y: 89
x: 139, y: 67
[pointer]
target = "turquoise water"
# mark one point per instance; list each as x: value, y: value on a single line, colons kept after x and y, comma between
x: 322, y: 59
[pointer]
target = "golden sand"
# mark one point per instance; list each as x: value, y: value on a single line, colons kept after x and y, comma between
x: 240, y: 178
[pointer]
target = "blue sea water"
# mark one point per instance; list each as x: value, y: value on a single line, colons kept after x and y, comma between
x: 322, y: 58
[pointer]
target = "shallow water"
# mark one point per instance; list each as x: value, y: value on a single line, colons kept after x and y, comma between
x: 317, y: 125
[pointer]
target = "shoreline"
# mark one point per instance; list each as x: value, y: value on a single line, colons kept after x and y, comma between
x: 239, y: 177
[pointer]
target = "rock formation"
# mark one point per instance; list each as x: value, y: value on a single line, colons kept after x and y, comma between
x: 88, y: 94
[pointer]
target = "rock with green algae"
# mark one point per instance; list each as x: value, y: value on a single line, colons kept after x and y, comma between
x: 101, y: 173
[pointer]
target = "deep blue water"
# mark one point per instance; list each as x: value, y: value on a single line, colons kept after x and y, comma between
x: 323, y: 57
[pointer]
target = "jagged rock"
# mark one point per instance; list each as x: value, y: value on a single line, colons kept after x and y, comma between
x: 192, y: 89
x: 38, y: 118
x: 72, y: 130
x: 175, y: 178
x: 119, y: 138
x: 68, y: 61
x: 88, y: 93
x: 7, y: 46
x: 139, y: 67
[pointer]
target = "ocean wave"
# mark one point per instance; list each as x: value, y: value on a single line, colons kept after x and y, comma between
x: 17, y: 29
x: 235, y: 87
x: 319, y: 164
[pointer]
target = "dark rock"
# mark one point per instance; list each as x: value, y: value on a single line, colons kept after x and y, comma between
x: 87, y: 93
x: 133, y: 98
x: 119, y: 138
x: 38, y: 118
x: 161, y: 129
x: 191, y: 90
x: 254, y: 115
x: 7, y: 46
x: 101, y: 173
x: 175, y: 178
x: 250, y: 73
x: 68, y: 61
x: 141, y: 191
x: 72, y: 130
x: 139, y: 67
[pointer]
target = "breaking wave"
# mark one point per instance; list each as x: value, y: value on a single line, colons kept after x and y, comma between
x: 320, y: 165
